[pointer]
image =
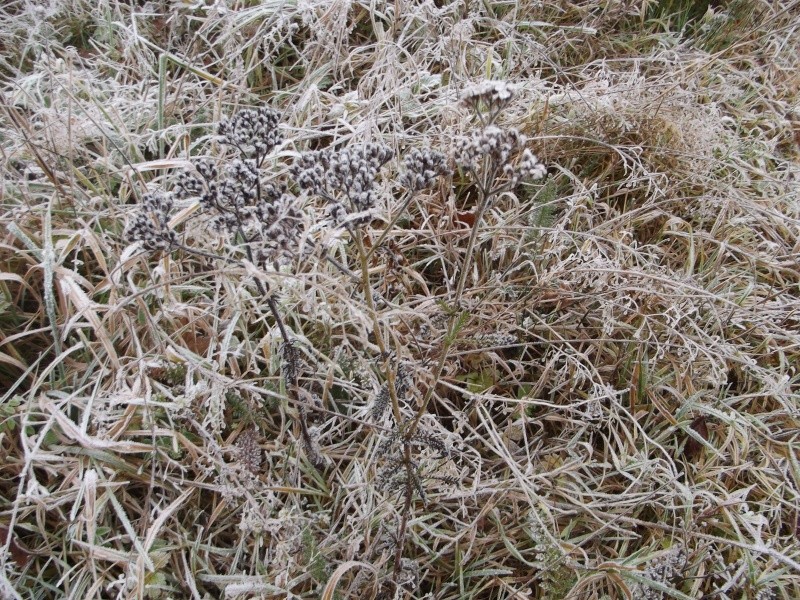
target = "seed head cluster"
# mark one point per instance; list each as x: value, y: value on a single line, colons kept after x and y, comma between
x: 499, y: 150
x: 662, y: 570
x: 492, y: 143
x: 280, y: 226
x: 499, y: 147
x: 345, y: 178
x: 252, y: 131
x: 263, y: 213
x: 150, y: 224
x: 527, y: 169
x: 422, y: 167
x: 488, y: 98
x: 259, y: 213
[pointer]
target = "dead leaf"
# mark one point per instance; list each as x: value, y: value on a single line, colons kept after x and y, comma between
x: 19, y: 555
x: 693, y: 448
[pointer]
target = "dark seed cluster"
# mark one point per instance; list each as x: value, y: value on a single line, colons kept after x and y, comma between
x: 488, y: 99
x: 422, y: 168
x: 281, y: 226
x: 263, y: 213
x: 252, y: 131
x: 501, y: 148
x: 345, y: 178
x: 527, y: 169
x: 497, y: 145
x: 150, y: 224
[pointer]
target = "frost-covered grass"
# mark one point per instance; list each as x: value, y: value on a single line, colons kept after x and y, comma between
x: 592, y: 377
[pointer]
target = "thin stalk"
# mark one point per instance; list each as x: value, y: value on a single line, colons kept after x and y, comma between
x: 391, y: 224
x: 487, y: 196
x: 264, y: 290
x: 452, y: 331
x: 401, y: 529
x: 376, y: 330
x: 485, y: 201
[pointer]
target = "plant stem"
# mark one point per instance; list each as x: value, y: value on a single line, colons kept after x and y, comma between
x: 391, y: 224
x: 376, y: 330
x: 452, y: 329
x: 486, y: 198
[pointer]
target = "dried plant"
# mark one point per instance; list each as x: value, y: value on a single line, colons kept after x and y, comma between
x: 431, y: 300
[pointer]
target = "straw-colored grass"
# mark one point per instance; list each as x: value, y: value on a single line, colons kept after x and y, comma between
x: 617, y: 382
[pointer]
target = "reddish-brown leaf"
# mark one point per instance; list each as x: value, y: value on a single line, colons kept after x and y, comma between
x: 19, y: 555
x: 693, y: 448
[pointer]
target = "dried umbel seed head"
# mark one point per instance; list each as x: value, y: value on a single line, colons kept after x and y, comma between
x: 527, y: 169
x: 252, y: 131
x: 662, y: 570
x: 241, y: 203
x: 280, y: 226
x: 158, y: 204
x: 529, y: 166
x: 498, y: 145
x: 230, y: 199
x: 349, y: 173
x: 422, y: 167
x: 488, y: 97
x: 189, y: 185
x: 309, y: 171
x: 237, y: 189
x: 150, y: 225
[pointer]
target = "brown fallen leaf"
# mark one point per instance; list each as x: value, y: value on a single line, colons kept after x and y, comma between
x: 693, y: 448
x: 19, y: 555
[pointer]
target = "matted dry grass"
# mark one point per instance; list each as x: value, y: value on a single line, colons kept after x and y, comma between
x: 618, y: 384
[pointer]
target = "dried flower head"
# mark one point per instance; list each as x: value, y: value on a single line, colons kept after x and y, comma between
x: 488, y: 98
x: 527, y: 169
x: 252, y: 131
x: 150, y: 225
x: 241, y: 203
x: 280, y: 226
x: 422, y: 167
x: 346, y: 177
x: 492, y: 143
